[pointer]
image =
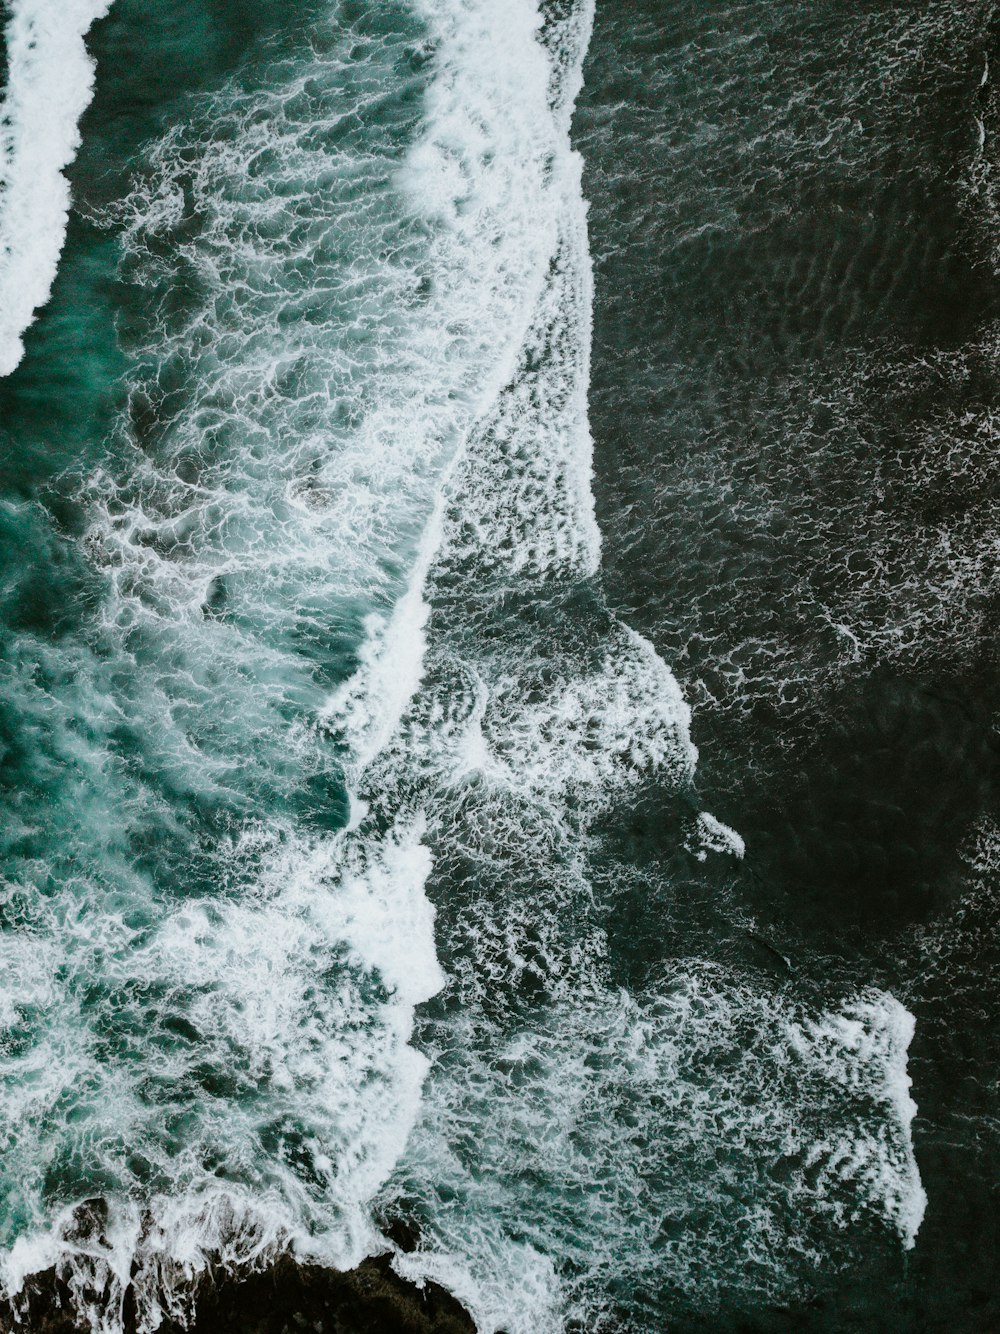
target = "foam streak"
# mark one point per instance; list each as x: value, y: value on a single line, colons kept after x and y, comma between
x: 50, y: 84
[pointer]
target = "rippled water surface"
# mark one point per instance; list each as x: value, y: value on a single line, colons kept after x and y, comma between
x: 498, y: 579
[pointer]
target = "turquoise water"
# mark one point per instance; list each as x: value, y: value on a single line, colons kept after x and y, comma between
x: 433, y: 403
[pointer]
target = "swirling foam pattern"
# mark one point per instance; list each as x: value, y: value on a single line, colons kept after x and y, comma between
x: 345, y: 727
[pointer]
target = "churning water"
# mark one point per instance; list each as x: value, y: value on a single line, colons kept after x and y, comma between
x: 359, y: 867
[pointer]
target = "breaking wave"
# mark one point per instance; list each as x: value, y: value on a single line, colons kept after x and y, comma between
x: 352, y: 685
x: 50, y: 81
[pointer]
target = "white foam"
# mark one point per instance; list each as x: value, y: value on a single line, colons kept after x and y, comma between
x: 519, y: 503
x: 315, y: 482
x: 522, y: 730
x: 645, y: 1134
x: 300, y: 992
x: 714, y: 836
x: 329, y: 471
x: 483, y: 174
x: 527, y: 506
x: 332, y: 491
x: 369, y: 706
x: 864, y: 1050
x: 596, y: 732
x: 50, y: 85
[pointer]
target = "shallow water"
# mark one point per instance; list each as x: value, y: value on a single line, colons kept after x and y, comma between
x: 384, y: 527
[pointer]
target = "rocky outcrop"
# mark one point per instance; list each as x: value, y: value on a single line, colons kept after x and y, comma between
x: 288, y: 1298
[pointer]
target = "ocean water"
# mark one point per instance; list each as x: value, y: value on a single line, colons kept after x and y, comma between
x: 498, y: 590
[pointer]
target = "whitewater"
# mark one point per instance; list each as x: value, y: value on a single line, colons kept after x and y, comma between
x: 312, y: 930
x: 50, y: 80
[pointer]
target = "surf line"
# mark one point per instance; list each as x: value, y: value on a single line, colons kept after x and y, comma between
x: 50, y: 84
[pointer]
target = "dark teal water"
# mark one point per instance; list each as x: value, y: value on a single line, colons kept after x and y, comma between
x: 793, y: 400
x: 358, y: 618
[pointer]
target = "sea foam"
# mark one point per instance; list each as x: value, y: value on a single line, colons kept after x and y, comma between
x: 348, y: 536
x: 537, y: 714
x: 277, y: 488
x: 50, y: 81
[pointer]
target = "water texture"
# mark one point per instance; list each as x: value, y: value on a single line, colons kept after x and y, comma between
x: 496, y: 595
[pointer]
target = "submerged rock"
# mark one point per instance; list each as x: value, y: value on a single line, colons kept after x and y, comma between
x: 285, y: 1299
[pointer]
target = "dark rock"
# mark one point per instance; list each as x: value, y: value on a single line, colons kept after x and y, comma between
x: 370, y: 1299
